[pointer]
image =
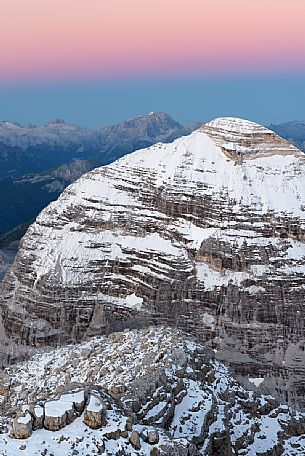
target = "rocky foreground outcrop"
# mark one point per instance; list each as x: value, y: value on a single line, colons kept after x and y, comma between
x: 206, y: 234
x: 145, y: 392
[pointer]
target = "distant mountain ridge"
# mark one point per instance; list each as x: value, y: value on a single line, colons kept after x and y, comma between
x: 69, y: 151
x: 293, y: 131
x: 34, y: 149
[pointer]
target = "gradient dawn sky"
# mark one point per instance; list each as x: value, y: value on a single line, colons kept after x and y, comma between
x: 100, y: 61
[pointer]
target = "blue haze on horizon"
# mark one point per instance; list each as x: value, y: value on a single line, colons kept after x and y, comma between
x: 268, y: 99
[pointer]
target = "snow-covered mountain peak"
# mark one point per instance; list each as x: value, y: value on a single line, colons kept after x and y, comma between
x: 236, y: 125
x: 201, y: 233
x: 240, y: 139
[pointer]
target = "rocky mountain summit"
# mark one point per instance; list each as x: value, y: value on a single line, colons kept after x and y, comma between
x: 148, y: 392
x: 205, y: 233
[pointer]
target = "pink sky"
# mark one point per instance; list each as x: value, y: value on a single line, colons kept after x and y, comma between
x: 75, y: 39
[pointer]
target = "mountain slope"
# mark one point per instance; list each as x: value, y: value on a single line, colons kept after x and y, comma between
x: 206, y: 233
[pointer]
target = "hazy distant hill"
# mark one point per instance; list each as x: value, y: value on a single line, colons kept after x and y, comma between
x: 293, y: 131
x: 34, y: 149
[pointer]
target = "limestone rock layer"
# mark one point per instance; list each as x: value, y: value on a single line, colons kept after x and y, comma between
x: 206, y: 234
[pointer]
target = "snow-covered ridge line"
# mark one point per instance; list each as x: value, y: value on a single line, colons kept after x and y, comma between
x: 237, y: 125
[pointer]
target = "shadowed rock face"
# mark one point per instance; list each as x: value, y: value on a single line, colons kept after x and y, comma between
x: 206, y: 233
x: 7, y: 257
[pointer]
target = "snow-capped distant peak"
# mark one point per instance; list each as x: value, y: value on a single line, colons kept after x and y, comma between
x: 57, y: 121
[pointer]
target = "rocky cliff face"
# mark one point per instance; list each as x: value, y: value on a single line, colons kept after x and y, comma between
x: 206, y: 233
x: 7, y: 256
